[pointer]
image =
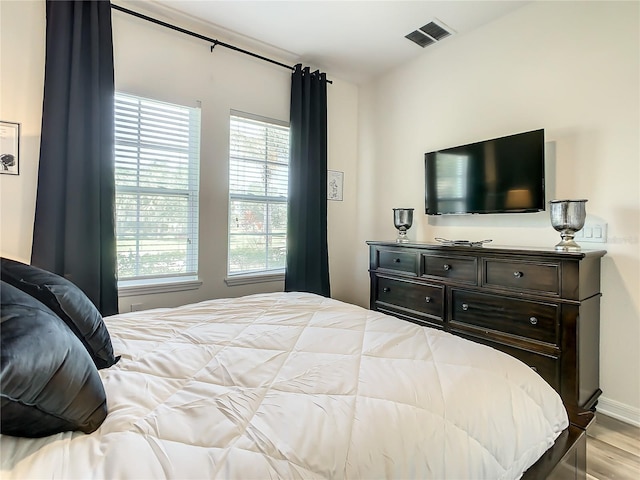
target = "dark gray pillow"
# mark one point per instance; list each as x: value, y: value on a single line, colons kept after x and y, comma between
x: 68, y: 302
x: 48, y: 382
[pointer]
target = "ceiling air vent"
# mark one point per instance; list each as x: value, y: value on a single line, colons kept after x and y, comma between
x: 428, y: 34
x: 435, y: 31
x: 420, y: 38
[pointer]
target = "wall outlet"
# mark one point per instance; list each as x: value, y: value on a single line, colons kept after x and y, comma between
x: 592, y: 232
x: 136, y: 307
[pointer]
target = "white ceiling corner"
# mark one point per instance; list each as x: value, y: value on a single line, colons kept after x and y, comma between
x: 354, y: 40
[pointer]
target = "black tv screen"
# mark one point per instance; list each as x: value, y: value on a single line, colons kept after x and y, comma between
x: 501, y: 175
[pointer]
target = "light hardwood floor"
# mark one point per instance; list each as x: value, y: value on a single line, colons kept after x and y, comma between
x: 613, y: 450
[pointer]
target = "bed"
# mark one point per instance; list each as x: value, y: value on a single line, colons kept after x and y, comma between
x: 294, y: 385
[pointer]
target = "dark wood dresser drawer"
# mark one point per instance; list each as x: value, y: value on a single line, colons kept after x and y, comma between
x: 404, y: 262
x: 426, y: 299
x: 547, y: 367
x: 525, y: 276
x: 528, y: 319
x: 462, y: 269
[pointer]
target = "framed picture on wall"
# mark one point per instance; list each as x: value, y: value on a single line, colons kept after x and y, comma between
x: 335, y: 182
x: 9, y: 148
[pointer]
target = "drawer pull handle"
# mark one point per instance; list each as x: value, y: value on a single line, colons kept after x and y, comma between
x: 533, y: 320
x: 517, y: 274
x: 427, y: 299
x: 465, y: 307
x: 446, y: 266
x: 386, y: 289
x: 396, y: 260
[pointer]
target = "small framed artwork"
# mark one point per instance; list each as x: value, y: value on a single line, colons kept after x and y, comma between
x: 9, y: 148
x: 335, y: 181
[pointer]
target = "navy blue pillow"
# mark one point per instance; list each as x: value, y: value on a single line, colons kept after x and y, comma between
x: 48, y: 381
x: 68, y: 302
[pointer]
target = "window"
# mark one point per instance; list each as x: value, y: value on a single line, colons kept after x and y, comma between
x: 157, y: 162
x: 258, y: 185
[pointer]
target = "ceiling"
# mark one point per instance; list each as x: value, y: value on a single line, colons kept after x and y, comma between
x: 352, y: 40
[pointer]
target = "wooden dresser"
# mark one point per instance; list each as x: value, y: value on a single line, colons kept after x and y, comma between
x: 539, y: 305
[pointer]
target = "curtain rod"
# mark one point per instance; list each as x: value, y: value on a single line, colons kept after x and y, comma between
x: 201, y: 37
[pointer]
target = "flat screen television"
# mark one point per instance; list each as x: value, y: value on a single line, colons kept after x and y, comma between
x: 500, y: 175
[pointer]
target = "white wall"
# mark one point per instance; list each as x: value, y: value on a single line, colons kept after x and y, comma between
x: 159, y: 63
x: 342, y: 215
x: 571, y: 68
x: 21, y: 81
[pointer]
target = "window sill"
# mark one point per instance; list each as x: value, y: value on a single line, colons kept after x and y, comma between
x: 149, y: 287
x: 246, y: 279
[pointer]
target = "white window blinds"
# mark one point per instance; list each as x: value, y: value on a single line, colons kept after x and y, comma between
x: 157, y: 168
x: 258, y: 187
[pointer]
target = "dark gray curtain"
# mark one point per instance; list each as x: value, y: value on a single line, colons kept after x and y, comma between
x: 74, y: 229
x: 307, y: 254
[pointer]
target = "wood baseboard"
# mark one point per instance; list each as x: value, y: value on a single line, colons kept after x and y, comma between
x: 619, y: 411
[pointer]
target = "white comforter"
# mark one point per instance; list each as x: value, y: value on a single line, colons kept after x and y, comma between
x: 292, y: 385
